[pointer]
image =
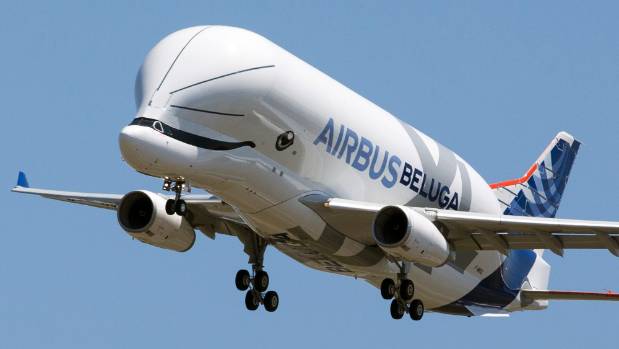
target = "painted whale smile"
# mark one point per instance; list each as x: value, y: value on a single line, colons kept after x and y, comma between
x: 190, y: 138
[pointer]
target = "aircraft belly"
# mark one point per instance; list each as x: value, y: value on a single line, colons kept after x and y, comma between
x: 300, y: 233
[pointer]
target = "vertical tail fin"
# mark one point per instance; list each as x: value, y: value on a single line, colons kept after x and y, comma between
x: 538, y: 193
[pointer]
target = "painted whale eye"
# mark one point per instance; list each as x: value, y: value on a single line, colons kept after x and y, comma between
x: 284, y: 140
x: 158, y: 126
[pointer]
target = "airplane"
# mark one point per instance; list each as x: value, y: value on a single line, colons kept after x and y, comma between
x: 290, y: 158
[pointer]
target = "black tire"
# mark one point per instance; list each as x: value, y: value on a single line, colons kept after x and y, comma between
x: 242, y: 280
x: 407, y: 289
x: 416, y: 310
x: 169, y: 207
x: 397, y: 309
x: 261, y: 281
x: 387, y: 289
x: 180, y: 208
x: 251, y: 300
x: 271, y: 301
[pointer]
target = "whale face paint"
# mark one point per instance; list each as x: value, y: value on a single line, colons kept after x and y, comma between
x: 389, y: 169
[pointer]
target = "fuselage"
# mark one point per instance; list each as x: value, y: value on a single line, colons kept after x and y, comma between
x: 231, y: 112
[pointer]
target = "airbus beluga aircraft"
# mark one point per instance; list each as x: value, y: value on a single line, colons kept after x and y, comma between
x: 297, y: 161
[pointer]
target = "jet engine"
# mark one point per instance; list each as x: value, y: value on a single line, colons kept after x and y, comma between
x: 142, y: 215
x: 408, y: 235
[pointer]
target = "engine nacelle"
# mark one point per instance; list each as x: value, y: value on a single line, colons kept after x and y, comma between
x: 142, y: 214
x: 408, y: 235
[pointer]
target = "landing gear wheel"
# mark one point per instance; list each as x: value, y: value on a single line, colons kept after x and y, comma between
x: 407, y: 289
x: 261, y: 281
x: 180, y: 207
x: 271, y: 301
x: 176, y: 205
x: 242, y: 280
x: 397, y: 309
x: 416, y: 310
x: 387, y: 289
x: 251, y: 300
x: 169, y: 207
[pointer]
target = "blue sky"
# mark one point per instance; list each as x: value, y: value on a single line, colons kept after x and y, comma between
x: 493, y: 81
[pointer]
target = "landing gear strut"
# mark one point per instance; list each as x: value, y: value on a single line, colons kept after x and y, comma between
x: 256, y: 283
x: 176, y: 205
x: 401, y: 294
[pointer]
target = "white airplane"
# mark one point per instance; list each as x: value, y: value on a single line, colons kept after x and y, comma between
x: 297, y: 161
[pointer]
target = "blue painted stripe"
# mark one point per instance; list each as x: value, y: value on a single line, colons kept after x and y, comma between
x: 501, y: 287
x: 498, y: 289
x: 22, y: 181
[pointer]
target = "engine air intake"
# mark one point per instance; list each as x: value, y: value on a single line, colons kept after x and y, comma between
x: 408, y: 235
x: 142, y: 215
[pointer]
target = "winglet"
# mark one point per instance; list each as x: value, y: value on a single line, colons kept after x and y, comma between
x: 22, y: 181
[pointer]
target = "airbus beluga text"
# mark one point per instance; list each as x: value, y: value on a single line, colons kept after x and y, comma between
x: 299, y: 162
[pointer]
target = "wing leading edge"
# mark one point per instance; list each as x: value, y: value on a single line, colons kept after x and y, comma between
x: 480, y: 231
x: 207, y: 212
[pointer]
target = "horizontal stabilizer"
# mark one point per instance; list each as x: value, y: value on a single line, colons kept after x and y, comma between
x: 570, y: 295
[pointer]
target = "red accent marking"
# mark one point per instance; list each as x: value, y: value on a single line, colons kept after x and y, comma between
x: 517, y: 180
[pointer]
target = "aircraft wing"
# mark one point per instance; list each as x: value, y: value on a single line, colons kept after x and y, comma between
x: 477, y: 231
x: 206, y: 212
x: 108, y: 201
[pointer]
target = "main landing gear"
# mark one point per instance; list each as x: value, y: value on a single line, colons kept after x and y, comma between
x: 256, y: 283
x: 256, y: 287
x: 402, y: 295
x: 176, y: 205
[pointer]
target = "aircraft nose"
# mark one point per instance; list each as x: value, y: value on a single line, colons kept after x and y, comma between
x: 126, y: 139
x: 132, y: 147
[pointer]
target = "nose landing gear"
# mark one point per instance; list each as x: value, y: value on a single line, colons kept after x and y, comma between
x: 402, y: 295
x: 176, y: 205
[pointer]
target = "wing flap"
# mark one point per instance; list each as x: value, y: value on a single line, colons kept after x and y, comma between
x: 472, y: 221
x: 524, y: 232
x: 529, y: 242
